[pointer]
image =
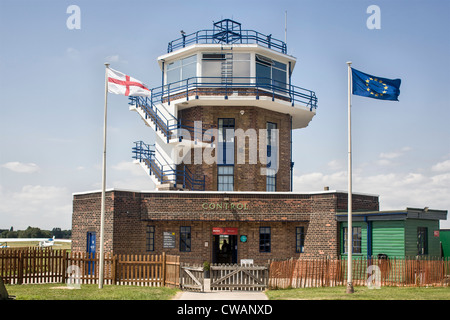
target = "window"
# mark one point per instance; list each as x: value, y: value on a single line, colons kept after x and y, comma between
x: 225, y: 178
x: 185, y: 239
x: 241, y: 67
x: 271, y: 180
x: 150, y: 239
x: 357, y: 239
x: 212, y: 67
x: 299, y: 239
x: 270, y: 73
x: 225, y: 155
x: 181, y: 69
x: 271, y: 177
x: 264, y: 239
x: 218, y: 65
x: 422, y: 240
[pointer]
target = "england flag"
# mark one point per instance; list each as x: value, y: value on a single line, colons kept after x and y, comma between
x: 120, y: 83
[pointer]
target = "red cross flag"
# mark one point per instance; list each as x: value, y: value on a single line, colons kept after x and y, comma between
x: 120, y: 83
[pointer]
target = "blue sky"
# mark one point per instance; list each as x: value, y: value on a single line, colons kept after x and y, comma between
x: 52, y: 96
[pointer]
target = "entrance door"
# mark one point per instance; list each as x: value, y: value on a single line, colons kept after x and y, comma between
x: 224, y: 245
x: 91, y: 247
x: 225, y: 248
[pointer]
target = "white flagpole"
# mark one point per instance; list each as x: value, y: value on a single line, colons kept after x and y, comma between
x: 102, y: 215
x: 349, y: 216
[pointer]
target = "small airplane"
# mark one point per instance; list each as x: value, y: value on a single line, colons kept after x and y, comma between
x: 47, y: 243
x: 43, y: 242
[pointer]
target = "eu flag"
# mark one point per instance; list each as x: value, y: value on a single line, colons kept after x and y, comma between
x: 375, y: 87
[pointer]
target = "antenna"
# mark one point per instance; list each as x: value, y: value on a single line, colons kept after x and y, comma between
x: 285, y: 27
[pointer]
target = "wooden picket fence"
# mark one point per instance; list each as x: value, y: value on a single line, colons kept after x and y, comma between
x: 239, y: 277
x: 36, y: 265
x: 404, y: 271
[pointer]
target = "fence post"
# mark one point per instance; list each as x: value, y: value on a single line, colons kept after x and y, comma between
x: 20, y: 267
x: 163, y: 269
x: 114, y: 269
x: 64, y: 263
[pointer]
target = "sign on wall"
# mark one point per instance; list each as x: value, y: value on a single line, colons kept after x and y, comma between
x: 224, y: 231
x: 169, y: 240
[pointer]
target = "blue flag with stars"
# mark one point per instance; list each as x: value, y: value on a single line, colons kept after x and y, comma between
x: 375, y: 87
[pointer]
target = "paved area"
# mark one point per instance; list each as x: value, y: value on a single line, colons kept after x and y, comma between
x: 220, y: 295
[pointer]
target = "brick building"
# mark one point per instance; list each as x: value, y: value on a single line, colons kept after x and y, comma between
x: 221, y: 160
x: 258, y: 225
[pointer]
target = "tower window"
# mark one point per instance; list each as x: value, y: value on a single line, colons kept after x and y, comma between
x: 225, y: 178
x: 271, y: 172
x: 225, y: 153
x: 270, y: 73
x: 182, y: 69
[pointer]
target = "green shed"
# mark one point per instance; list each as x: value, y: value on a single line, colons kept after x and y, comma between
x: 399, y: 233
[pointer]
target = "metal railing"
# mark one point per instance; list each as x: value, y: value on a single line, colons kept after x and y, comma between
x: 168, y: 124
x: 213, y: 36
x: 260, y: 86
x: 164, y: 171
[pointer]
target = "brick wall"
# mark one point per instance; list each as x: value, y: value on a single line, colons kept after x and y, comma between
x: 247, y: 177
x: 129, y: 213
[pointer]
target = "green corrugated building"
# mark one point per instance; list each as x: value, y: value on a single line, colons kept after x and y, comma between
x: 410, y: 232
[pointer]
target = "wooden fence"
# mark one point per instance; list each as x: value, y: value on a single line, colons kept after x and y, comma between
x: 192, y: 277
x: 47, y: 265
x: 239, y: 277
x: 301, y: 273
x: 60, y: 266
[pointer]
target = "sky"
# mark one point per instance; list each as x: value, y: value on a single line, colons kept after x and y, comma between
x: 52, y: 96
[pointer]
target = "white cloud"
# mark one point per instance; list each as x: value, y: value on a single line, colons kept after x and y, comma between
x: 443, y: 166
x: 72, y: 53
x: 115, y: 58
x: 335, y: 165
x: 396, y: 190
x: 129, y: 167
x: 385, y: 158
x: 44, y: 207
x: 21, y: 167
x: 395, y: 154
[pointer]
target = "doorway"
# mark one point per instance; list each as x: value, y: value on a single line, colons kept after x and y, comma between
x: 91, y: 247
x: 224, y: 248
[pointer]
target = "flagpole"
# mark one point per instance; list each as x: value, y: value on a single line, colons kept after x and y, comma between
x: 349, y: 205
x: 102, y: 215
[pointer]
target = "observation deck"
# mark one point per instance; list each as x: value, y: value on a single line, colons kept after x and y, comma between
x: 227, y: 31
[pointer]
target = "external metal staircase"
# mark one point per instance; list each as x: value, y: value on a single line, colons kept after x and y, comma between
x: 167, y: 175
x: 160, y: 160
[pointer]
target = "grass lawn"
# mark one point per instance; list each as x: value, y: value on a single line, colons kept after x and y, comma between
x: 362, y: 293
x: 59, y: 291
